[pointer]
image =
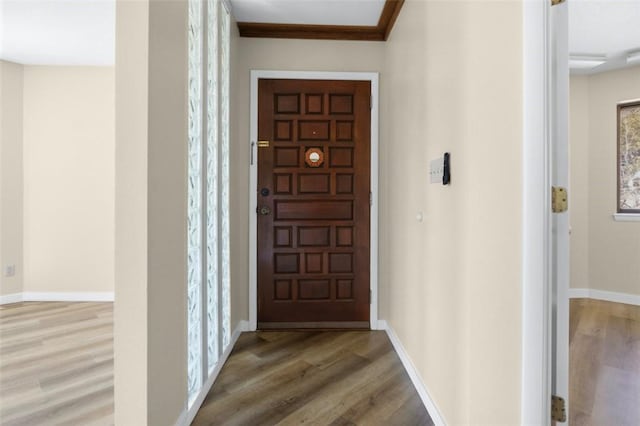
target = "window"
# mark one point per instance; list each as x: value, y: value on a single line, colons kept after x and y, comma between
x: 208, y: 278
x: 629, y: 157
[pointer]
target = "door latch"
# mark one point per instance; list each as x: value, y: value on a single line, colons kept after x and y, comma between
x: 264, y: 211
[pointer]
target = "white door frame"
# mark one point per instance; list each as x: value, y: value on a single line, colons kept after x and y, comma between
x: 253, y: 179
x: 560, y: 221
x: 536, y: 183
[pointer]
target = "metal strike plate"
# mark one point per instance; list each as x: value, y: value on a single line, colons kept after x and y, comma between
x: 263, y: 144
x: 559, y: 200
x: 558, y: 409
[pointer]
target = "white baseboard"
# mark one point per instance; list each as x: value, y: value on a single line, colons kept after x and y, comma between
x: 609, y: 296
x: 578, y: 293
x: 186, y: 419
x: 10, y: 298
x: 417, y: 381
x: 36, y: 296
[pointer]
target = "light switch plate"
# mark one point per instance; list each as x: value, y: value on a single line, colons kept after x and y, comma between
x: 436, y: 170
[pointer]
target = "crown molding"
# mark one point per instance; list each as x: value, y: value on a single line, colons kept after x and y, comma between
x: 378, y: 32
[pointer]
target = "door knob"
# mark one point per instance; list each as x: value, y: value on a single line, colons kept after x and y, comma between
x: 264, y: 210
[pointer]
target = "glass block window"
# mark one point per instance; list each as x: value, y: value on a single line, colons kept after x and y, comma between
x: 209, y: 275
x: 224, y: 167
x: 194, y: 191
x: 213, y: 140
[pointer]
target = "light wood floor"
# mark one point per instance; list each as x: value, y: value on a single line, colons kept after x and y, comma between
x: 56, y: 364
x: 316, y: 378
x: 604, y: 364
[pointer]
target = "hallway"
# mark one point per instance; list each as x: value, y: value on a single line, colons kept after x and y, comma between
x: 336, y: 378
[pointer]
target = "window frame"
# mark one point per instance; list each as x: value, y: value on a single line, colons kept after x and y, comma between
x: 619, y: 109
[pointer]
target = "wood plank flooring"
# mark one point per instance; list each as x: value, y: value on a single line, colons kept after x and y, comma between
x: 56, y: 367
x: 604, y: 365
x: 317, y: 378
x: 56, y: 364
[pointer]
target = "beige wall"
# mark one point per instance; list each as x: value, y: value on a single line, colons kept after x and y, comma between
x: 131, y: 234
x: 453, y: 282
x: 69, y: 153
x: 579, y: 180
x: 11, y: 172
x: 151, y: 205
x: 282, y: 55
x: 613, y: 247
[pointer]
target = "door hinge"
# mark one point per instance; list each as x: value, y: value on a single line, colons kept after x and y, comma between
x: 559, y: 199
x: 370, y: 296
x: 556, y: 2
x: 558, y: 409
x: 370, y: 199
x: 370, y: 101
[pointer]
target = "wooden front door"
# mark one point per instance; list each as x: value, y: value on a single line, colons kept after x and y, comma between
x: 313, y: 203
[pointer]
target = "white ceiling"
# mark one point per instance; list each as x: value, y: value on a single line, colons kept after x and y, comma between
x: 313, y: 12
x: 82, y: 32
x: 58, y: 32
x: 608, y: 28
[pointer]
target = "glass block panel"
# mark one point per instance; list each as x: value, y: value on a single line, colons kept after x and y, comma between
x: 224, y: 175
x: 194, y: 213
x: 212, y: 185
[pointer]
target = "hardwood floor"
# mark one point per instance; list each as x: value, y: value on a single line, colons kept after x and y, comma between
x: 318, y: 378
x: 56, y: 364
x: 604, y: 366
x: 56, y: 367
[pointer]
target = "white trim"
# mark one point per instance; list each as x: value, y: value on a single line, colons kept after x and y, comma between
x: 182, y: 419
x: 579, y: 293
x: 34, y: 296
x: 417, y: 381
x: 186, y: 419
x: 11, y: 298
x: 628, y: 101
x: 626, y: 217
x: 608, y: 296
x: 536, y: 283
x: 253, y: 178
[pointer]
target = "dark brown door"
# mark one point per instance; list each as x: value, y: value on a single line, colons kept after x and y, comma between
x: 313, y: 203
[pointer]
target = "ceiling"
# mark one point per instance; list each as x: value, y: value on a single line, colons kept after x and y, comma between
x: 58, y: 32
x: 606, y: 28
x: 82, y: 32
x: 309, y: 12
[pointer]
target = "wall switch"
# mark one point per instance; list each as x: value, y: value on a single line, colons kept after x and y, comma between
x: 436, y: 170
x: 9, y: 270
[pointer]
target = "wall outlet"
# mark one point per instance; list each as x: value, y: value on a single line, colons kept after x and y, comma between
x: 9, y: 270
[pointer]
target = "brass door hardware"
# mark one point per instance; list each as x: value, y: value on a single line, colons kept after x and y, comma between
x: 559, y: 199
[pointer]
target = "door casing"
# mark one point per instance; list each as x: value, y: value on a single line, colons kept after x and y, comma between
x: 253, y: 179
x: 538, y: 258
